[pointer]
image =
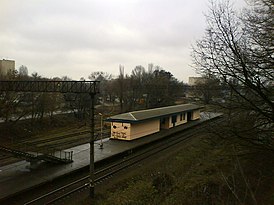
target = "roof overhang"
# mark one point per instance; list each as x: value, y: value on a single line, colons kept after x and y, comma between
x: 129, y: 118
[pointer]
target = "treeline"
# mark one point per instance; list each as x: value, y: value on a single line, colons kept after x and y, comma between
x: 35, y: 106
x: 143, y: 88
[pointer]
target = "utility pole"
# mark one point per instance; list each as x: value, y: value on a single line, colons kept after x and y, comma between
x: 91, y: 144
x: 90, y: 87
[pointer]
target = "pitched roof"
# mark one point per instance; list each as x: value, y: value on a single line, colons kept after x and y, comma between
x: 141, y: 115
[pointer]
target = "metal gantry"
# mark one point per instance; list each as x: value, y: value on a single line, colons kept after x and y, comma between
x: 90, y: 87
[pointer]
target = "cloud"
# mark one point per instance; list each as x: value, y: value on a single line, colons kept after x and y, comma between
x: 74, y: 38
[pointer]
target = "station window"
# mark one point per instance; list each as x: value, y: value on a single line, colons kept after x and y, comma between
x: 181, y: 116
x: 125, y: 127
x: 114, y: 127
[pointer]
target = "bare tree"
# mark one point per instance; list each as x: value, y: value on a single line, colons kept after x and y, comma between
x: 207, y: 89
x: 23, y: 71
x: 104, y: 79
x: 121, y: 84
x: 238, y: 50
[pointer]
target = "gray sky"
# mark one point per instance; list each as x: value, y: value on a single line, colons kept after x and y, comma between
x: 77, y: 37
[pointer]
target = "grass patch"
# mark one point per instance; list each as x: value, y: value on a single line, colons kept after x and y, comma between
x: 205, y: 170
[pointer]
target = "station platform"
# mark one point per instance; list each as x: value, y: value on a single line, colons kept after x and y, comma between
x: 17, y: 177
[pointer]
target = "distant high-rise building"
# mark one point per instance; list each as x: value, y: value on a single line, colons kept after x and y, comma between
x: 196, y: 80
x: 6, y: 66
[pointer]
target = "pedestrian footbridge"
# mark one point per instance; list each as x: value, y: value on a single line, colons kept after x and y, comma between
x: 34, y: 157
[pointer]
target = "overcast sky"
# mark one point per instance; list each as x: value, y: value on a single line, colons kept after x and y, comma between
x: 76, y: 37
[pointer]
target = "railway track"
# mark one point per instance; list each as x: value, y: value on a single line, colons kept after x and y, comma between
x: 7, y: 159
x: 50, y: 145
x: 58, y: 142
x: 67, y: 191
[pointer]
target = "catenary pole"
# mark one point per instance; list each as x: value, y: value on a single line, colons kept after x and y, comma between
x: 91, y: 154
x: 91, y: 87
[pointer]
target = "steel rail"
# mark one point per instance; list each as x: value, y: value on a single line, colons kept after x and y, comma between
x: 111, y: 173
x: 173, y: 139
x: 141, y: 155
x: 69, y: 140
x: 121, y: 168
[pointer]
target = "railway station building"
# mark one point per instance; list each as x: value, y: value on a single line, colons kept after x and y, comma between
x: 136, y: 124
x: 6, y: 66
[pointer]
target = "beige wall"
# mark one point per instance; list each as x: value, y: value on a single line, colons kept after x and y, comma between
x: 196, y: 115
x: 126, y: 131
x: 6, y: 66
x: 145, y: 128
x: 121, y: 130
x: 178, y: 120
